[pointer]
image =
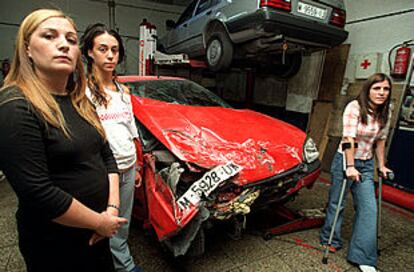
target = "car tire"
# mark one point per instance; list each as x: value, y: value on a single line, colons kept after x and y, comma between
x: 291, y: 67
x: 219, y: 51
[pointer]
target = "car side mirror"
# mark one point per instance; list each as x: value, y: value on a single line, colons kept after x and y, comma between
x: 170, y: 24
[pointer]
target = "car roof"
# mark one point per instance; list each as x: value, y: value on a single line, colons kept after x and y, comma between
x: 132, y: 78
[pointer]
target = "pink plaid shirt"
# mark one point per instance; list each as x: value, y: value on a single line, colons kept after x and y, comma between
x: 364, y: 135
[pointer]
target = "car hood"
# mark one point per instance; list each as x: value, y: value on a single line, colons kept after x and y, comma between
x: 209, y: 136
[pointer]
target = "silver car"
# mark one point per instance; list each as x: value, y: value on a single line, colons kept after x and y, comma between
x: 272, y: 33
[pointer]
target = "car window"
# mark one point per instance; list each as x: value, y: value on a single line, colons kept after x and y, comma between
x: 188, y: 13
x: 203, y: 5
x: 183, y: 92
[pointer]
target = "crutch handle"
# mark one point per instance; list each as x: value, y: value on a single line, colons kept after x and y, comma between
x: 390, y: 175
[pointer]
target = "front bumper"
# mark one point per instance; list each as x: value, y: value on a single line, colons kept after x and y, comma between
x: 167, y: 219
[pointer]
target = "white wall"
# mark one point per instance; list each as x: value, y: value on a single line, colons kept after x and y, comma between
x: 129, y: 14
x: 377, y: 35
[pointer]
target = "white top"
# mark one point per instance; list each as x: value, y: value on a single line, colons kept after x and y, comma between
x: 119, y: 125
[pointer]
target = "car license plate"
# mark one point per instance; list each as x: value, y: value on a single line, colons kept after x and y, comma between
x: 207, y: 184
x: 311, y: 10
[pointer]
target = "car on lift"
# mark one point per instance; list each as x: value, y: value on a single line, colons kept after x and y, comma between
x: 205, y: 162
x: 271, y: 34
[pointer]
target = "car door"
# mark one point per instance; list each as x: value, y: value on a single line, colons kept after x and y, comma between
x: 177, y: 37
x: 196, y: 25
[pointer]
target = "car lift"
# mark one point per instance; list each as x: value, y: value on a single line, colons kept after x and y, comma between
x: 294, y: 221
x: 150, y: 58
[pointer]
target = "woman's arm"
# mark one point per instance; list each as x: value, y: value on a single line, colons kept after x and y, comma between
x: 113, y: 199
x: 139, y: 164
x: 113, y: 179
x: 138, y: 148
x: 80, y: 216
x: 380, y: 153
x: 350, y: 120
x: 350, y: 171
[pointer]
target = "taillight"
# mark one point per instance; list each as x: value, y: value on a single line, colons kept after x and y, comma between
x: 279, y: 4
x: 338, y: 17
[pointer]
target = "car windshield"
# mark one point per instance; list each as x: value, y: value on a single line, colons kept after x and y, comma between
x: 178, y: 91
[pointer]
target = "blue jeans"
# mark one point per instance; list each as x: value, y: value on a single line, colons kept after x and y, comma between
x: 121, y: 255
x: 363, y: 244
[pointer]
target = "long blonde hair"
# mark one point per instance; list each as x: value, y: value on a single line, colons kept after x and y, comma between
x: 22, y: 75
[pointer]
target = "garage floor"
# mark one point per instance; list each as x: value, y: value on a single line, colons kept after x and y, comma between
x: 292, y: 252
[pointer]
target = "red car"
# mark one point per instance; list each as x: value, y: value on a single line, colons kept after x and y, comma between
x: 206, y: 162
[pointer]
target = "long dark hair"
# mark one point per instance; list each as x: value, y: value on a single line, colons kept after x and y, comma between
x: 382, y: 111
x: 87, y: 43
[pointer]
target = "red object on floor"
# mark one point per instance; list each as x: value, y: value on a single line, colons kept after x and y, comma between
x: 398, y: 197
x: 295, y: 222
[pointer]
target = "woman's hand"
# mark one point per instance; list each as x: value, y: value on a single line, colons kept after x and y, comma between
x: 383, y: 171
x: 138, y: 178
x: 352, y: 174
x: 95, y: 238
x: 112, y: 211
x: 109, y: 224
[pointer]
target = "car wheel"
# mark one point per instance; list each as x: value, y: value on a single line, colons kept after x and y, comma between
x: 287, y: 70
x: 219, y: 52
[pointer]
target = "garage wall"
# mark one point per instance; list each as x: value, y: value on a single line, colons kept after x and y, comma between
x: 375, y: 26
x: 129, y: 14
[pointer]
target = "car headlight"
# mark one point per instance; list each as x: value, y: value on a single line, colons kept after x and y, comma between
x: 310, y: 151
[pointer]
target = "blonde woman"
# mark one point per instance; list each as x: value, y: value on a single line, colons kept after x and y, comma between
x: 54, y: 153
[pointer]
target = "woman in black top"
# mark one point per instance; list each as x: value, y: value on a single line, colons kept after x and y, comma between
x: 54, y: 153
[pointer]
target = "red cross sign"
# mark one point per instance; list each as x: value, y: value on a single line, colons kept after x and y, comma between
x: 365, y: 64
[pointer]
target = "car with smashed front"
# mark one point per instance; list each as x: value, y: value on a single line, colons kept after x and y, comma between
x: 271, y: 34
x: 205, y: 162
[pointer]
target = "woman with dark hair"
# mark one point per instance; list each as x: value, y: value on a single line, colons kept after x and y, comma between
x: 54, y: 152
x: 366, y: 122
x: 103, y: 50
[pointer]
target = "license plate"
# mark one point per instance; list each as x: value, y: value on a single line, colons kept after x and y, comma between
x: 311, y: 10
x: 207, y: 184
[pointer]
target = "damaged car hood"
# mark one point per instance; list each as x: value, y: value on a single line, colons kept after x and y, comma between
x: 209, y: 136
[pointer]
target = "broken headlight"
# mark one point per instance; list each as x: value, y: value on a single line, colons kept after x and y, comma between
x: 310, y: 151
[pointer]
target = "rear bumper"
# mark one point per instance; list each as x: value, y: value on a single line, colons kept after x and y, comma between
x: 266, y: 21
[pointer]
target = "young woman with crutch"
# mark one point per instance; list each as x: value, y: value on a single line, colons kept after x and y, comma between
x: 365, y: 122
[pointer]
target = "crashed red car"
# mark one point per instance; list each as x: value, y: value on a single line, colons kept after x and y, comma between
x: 206, y: 162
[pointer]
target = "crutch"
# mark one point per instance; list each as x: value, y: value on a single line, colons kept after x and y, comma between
x: 341, y: 196
x: 390, y: 177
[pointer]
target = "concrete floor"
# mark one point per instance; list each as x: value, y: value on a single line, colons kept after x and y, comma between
x: 291, y: 252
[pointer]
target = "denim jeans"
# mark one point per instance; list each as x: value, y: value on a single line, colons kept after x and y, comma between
x: 363, y: 244
x: 121, y: 255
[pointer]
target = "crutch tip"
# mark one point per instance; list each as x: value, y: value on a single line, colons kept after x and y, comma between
x: 325, y: 260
